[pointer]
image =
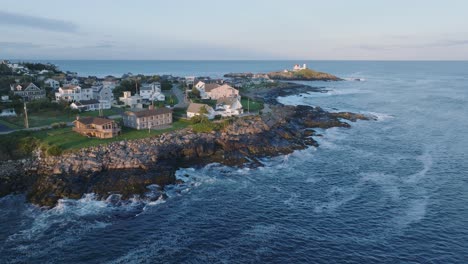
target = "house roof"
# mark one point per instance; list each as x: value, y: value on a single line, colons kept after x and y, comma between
x: 150, y: 112
x: 226, y: 100
x: 146, y: 88
x: 94, y: 120
x: 211, y: 86
x: 70, y: 87
x: 198, y: 82
x: 87, y: 102
x: 226, y: 86
x: 195, y: 107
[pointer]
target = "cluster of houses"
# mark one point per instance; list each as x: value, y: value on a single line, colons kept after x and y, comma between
x: 103, y: 127
x: 228, y: 100
x: 148, y: 93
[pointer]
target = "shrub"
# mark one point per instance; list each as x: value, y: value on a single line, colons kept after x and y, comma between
x: 54, y: 150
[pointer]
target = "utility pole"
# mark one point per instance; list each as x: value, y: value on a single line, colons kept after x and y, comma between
x: 26, y: 121
x: 248, y: 105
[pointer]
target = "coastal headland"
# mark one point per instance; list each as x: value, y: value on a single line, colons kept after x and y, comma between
x: 128, y: 167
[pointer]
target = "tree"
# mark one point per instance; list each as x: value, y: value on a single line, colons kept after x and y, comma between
x: 196, y: 93
x: 166, y: 85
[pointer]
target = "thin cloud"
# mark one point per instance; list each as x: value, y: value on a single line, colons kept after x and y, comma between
x: 18, y: 45
x: 42, y: 23
x: 434, y: 44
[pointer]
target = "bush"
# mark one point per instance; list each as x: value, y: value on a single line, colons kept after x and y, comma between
x: 54, y: 150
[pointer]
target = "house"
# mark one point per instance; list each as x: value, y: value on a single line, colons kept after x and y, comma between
x: 28, y: 91
x: 148, y: 119
x: 190, y: 81
x: 52, y: 83
x: 8, y: 112
x: 195, y: 109
x: 99, y: 127
x: 110, y: 83
x: 68, y: 93
x: 205, y: 88
x: 297, y: 67
x: 74, y: 81
x: 103, y: 93
x: 152, y: 92
x: 229, y: 106
x: 5, y: 99
x: 217, y: 92
x: 86, y: 105
x: 74, y: 93
x: 135, y: 101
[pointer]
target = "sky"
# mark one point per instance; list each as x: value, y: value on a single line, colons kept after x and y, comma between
x: 234, y: 30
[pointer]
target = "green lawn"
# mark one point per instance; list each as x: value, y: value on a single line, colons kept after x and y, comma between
x: 48, y: 117
x: 67, y: 139
x: 254, y: 106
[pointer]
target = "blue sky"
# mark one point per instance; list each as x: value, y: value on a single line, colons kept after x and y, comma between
x: 241, y: 29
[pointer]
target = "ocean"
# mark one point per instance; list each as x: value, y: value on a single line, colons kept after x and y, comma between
x: 394, y: 190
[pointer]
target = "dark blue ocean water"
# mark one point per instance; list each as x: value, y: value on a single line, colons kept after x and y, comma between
x: 388, y: 191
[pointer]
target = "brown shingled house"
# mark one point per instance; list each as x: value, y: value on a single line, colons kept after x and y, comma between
x: 148, y: 119
x: 99, y: 127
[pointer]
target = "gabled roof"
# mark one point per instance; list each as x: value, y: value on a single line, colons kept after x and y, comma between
x: 226, y: 100
x: 150, y: 112
x: 211, y: 86
x: 226, y: 86
x: 195, y: 108
x: 94, y: 120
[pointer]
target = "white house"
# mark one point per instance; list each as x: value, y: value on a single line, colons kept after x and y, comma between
x: 86, y: 105
x: 8, y: 112
x: 218, y: 92
x: 74, y: 93
x: 194, y: 110
x: 74, y: 81
x: 52, y: 83
x: 135, y: 101
x: 5, y: 98
x: 102, y: 92
x: 229, y: 106
x: 297, y: 67
x: 205, y: 89
x: 189, y: 80
x: 68, y: 93
x: 152, y: 92
x: 111, y: 84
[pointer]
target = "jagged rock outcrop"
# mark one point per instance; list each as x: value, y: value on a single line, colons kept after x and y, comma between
x: 127, y: 167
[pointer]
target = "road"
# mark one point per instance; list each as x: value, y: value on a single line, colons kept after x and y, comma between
x: 180, y: 97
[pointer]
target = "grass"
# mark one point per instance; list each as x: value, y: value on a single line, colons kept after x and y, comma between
x: 254, y: 106
x: 48, y: 117
x: 66, y: 139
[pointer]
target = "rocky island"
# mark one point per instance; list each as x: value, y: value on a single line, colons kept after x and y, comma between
x: 297, y: 73
x: 302, y: 75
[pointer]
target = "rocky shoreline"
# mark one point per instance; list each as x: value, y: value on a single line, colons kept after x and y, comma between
x: 128, y: 167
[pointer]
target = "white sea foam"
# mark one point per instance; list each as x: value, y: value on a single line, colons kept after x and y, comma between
x: 337, y: 197
x: 388, y: 183
x: 426, y: 160
x: 380, y: 116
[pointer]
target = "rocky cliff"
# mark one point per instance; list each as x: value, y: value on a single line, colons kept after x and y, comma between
x: 127, y: 167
